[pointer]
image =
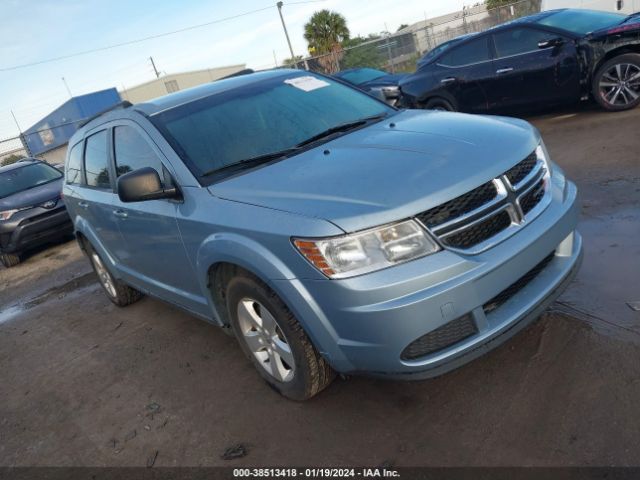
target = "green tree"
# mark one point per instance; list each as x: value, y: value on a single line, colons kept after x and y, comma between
x: 358, y: 55
x: 11, y: 159
x: 325, y: 31
x: 520, y: 8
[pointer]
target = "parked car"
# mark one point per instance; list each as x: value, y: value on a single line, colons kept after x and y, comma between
x: 380, y: 84
x: 32, y: 212
x: 549, y: 58
x: 329, y: 231
x: 616, y: 6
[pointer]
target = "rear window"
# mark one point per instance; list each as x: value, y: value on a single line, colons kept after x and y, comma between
x: 96, y: 161
x: 74, y: 165
x: 474, y: 51
x: 23, y: 178
x: 261, y: 118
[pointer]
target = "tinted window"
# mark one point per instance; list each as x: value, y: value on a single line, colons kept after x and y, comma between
x: 519, y: 40
x: 23, y: 178
x: 74, y: 165
x: 96, y: 161
x: 132, y: 151
x: 471, y: 52
x: 260, y: 117
x: 581, y: 22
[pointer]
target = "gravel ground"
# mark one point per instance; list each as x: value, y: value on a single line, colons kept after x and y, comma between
x: 86, y: 383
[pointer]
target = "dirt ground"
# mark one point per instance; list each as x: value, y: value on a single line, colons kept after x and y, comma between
x: 86, y: 383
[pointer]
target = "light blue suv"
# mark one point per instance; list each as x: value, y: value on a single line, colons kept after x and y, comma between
x: 329, y: 231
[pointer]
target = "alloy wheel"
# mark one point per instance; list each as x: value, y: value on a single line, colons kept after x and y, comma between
x: 620, y: 85
x: 266, y: 340
x: 103, y: 275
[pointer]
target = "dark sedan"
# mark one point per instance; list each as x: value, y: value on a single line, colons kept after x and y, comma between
x: 380, y: 84
x: 555, y: 57
x: 31, y: 208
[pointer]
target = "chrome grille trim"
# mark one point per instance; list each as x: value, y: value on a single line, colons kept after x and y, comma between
x: 508, y: 199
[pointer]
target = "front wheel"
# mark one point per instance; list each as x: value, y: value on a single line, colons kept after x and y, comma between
x: 616, y: 85
x: 275, y: 342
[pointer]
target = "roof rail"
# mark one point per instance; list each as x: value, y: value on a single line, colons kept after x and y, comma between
x: 123, y: 104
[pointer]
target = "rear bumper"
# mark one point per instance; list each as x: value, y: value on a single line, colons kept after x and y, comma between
x: 40, y: 227
x: 364, y: 324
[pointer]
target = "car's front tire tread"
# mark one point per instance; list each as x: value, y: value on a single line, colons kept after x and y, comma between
x: 9, y: 259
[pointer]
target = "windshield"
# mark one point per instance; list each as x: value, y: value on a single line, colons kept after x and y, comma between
x: 581, y: 22
x: 22, y: 178
x: 261, y: 118
x: 361, y: 75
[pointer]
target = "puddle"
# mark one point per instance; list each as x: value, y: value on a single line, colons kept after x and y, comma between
x: 70, y: 289
x: 11, y: 312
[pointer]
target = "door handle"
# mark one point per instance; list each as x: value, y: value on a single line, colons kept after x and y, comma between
x: 82, y: 204
x: 504, y: 70
x: 448, y: 80
x: 120, y: 213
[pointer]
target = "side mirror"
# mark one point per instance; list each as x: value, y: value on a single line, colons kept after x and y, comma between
x: 552, y: 42
x: 143, y: 184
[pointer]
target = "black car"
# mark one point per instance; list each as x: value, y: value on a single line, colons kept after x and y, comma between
x: 380, y: 84
x: 32, y: 211
x: 554, y: 57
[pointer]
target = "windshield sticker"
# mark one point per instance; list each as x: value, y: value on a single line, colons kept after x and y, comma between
x: 307, y: 84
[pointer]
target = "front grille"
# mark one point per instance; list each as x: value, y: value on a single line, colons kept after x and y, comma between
x: 440, y: 338
x: 479, y: 232
x: 521, y: 170
x: 515, y: 287
x: 487, y: 211
x: 532, y: 198
x: 459, y: 205
x: 41, y: 216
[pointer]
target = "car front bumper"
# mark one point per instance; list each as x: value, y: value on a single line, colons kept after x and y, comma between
x: 34, y: 227
x: 364, y: 324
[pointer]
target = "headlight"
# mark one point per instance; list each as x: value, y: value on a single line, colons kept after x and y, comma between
x: 363, y: 252
x: 7, y: 214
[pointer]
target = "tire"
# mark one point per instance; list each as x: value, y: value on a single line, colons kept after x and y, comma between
x: 439, y: 103
x: 9, y: 259
x: 616, y: 84
x: 118, y: 292
x: 274, y: 340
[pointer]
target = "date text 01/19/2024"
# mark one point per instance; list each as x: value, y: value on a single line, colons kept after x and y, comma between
x: 315, y: 473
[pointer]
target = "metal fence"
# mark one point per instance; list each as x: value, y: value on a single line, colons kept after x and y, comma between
x: 399, y: 52
x: 12, y: 149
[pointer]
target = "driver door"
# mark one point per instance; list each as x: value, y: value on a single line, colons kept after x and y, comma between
x: 526, y: 73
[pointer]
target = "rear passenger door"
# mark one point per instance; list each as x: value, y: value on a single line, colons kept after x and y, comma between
x: 465, y: 73
x: 526, y: 74
x: 154, y: 254
x: 96, y: 193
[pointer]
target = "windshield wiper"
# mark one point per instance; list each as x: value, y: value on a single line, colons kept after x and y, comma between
x: 343, y: 127
x: 252, y: 161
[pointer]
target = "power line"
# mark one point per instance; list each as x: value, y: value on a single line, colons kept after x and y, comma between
x: 138, y: 40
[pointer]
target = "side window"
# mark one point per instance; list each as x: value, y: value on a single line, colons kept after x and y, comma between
x: 475, y: 51
x: 132, y: 152
x: 519, y: 40
x: 96, y: 161
x: 74, y: 165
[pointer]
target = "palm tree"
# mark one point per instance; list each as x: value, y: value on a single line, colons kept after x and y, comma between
x: 325, y: 31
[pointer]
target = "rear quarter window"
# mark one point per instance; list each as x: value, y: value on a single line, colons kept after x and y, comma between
x: 74, y: 165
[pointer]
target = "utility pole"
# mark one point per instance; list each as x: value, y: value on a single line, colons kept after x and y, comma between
x: 67, y: 87
x: 286, y: 34
x: 154, y: 67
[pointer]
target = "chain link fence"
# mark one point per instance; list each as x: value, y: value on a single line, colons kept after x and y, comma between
x: 399, y: 52
x: 12, y: 149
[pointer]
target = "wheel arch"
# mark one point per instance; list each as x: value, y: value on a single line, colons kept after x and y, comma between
x: 616, y: 52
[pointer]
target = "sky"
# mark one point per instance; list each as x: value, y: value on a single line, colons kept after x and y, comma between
x: 37, y: 30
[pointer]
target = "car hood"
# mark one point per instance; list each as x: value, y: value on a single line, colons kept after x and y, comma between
x: 33, y: 196
x: 388, y: 171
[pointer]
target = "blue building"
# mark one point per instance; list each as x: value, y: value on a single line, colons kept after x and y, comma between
x: 55, y: 130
